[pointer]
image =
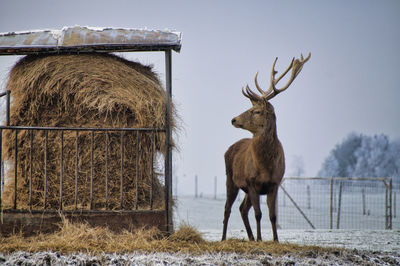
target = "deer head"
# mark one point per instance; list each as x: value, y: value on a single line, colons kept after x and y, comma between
x: 261, y: 116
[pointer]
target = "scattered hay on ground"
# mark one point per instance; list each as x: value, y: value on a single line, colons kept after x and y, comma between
x: 80, y: 237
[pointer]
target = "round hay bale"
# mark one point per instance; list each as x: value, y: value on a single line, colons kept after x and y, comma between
x: 86, y: 90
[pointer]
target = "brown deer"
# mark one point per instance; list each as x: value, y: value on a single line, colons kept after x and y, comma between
x: 257, y: 165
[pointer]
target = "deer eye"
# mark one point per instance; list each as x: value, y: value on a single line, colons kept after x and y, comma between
x: 257, y: 112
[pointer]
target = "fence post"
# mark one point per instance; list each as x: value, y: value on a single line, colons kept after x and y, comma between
x: 195, y: 187
x: 308, y: 197
x: 215, y: 187
x: 394, y: 205
x: 363, y: 201
x: 390, y: 204
x: 331, y: 204
x: 339, y: 205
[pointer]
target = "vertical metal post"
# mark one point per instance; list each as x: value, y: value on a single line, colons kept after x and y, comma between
x: 152, y: 171
x: 386, y: 207
x: 339, y: 206
x: 331, y: 204
x: 1, y: 174
x: 15, y: 169
x: 8, y: 107
x: 390, y: 204
x: 107, y: 141
x: 61, y: 170
x: 91, y: 168
x: 215, y: 187
x: 168, y: 156
x: 137, y: 168
x: 76, y: 167
x: 363, y: 201
x: 122, y: 170
x: 30, y: 169
x: 46, y: 151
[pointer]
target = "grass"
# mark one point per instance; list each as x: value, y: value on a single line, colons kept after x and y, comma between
x: 80, y: 237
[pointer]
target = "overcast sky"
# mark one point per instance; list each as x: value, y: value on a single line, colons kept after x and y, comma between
x: 350, y: 84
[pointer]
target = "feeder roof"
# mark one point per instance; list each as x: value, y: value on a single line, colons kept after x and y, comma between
x: 80, y: 39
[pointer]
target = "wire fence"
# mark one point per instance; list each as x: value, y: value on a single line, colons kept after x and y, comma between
x: 338, y: 203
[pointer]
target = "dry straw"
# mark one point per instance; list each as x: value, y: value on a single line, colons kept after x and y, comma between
x: 80, y: 237
x: 87, y: 90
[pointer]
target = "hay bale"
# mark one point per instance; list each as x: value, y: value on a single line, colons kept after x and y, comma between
x: 87, y: 90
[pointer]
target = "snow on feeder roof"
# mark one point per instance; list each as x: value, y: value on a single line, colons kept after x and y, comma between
x: 88, y: 39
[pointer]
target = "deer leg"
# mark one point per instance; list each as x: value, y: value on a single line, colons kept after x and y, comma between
x: 271, y: 201
x: 231, y: 194
x: 244, y: 211
x: 255, y: 201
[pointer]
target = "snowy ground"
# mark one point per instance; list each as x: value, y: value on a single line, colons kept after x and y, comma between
x: 347, y: 257
x: 361, y: 247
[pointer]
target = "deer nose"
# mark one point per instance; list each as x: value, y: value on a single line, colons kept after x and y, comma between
x: 233, y: 120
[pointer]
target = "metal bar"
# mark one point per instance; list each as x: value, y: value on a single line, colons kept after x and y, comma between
x: 30, y: 170
x: 390, y: 204
x: 152, y: 171
x: 122, y: 171
x: 331, y: 204
x: 83, y: 128
x: 107, y: 143
x: 61, y: 170
x: 15, y: 169
x: 76, y: 167
x: 91, y: 169
x: 168, y: 157
x: 46, y: 151
x: 137, y: 168
x: 1, y: 175
x: 297, y: 207
x: 386, y: 209
x: 8, y: 107
x: 339, y: 206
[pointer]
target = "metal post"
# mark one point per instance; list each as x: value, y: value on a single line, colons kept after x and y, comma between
x: 30, y: 170
x: 137, y: 168
x: 339, y: 205
x: 61, y: 170
x: 46, y: 151
x: 363, y: 201
x: 107, y: 174
x: 331, y: 204
x: 152, y: 171
x: 122, y: 171
x: 215, y: 187
x: 91, y: 168
x: 390, y: 204
x: 15, y: 169
x: 76, y: 167
x: 168, y: 155
x: 1, y: 174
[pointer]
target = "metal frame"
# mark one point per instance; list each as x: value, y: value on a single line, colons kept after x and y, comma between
x: 388, y: 196
x: 105, y: 48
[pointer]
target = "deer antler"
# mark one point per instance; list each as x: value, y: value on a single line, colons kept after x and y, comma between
x: 296, y: 65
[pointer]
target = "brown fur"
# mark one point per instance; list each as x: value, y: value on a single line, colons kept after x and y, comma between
x: 257, y: 165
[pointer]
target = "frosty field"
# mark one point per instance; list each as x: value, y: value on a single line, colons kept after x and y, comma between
x: 206, y: 214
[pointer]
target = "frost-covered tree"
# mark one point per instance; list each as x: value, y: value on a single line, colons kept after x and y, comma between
x: 363, y: 156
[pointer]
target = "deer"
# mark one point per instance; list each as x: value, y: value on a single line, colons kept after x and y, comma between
x: 256, y: 165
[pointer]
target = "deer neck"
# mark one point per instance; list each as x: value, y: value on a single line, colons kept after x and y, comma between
x: 264, y: 145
